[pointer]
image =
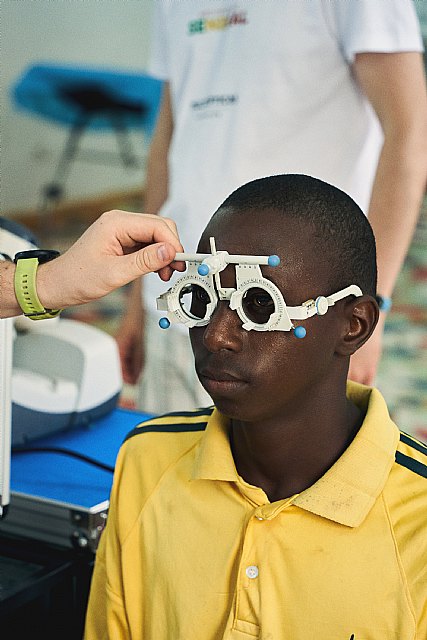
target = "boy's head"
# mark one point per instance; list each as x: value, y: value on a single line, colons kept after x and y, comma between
x: 325, y: 244
x: 341, y: 235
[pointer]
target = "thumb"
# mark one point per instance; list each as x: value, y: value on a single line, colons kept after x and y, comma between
x: 154, y: 257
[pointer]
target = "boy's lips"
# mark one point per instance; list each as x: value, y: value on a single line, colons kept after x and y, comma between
x: 217, y: 380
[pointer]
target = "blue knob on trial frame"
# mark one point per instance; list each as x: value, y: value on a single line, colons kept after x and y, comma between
x: 203, y: 270
x: 273, y: 261
x: 300, y: 332
x: 164, y: 323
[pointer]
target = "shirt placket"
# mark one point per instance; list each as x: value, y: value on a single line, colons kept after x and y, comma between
x: 253, y: 564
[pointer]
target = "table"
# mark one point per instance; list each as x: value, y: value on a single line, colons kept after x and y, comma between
x: 44, y: 577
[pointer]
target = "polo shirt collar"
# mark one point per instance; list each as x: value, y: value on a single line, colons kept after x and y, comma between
x: 348, y: 490
x: 214, y: 460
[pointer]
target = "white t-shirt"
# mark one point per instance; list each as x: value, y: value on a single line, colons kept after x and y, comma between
x: 263, y: 87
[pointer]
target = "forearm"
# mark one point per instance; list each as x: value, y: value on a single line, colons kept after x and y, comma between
x: 49, y: 291
x: 156, y: 182
x: 395, y: 203
x: 134, y: 309
x: 156, y: 190
x: 155, y: 194
x: 9, y: 306
x: 395, y: 86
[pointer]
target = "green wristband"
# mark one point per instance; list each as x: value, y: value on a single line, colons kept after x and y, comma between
x: 26, y: 293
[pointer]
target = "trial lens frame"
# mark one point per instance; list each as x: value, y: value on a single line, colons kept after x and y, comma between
x: 204, y: 272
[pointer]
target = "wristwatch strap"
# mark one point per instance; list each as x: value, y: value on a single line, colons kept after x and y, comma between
x: 26, y: 293
x: 384, y: 303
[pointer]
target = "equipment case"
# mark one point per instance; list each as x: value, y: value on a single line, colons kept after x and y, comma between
x: 61, y: 500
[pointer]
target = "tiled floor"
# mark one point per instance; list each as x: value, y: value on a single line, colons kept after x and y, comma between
x: 403, y: 371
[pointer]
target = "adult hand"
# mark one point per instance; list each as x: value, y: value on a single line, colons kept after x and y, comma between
x: 117, y: 248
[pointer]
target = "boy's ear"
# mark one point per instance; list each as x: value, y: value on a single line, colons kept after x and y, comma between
x: 360, y: 319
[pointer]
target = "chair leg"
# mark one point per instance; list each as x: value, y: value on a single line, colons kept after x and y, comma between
x: 53, y: 191
x: 125, y: 148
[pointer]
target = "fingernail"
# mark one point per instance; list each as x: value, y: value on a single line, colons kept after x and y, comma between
x: 162, y: 253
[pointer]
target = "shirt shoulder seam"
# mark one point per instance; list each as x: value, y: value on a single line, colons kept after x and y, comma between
x: 160, y: 424
x: 401, y: 568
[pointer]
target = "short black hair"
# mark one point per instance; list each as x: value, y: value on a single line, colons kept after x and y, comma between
x: 343, y: 231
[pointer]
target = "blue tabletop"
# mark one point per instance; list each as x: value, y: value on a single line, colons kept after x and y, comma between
x: 65, y: 479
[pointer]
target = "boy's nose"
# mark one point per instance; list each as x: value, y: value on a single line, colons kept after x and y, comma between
x: 224, y: 330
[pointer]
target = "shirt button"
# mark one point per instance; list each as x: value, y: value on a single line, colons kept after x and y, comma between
x: 252, y: 572
x: 259, y: 518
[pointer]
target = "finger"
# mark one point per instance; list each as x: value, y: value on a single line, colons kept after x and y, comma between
x: 154, y: 257
x: 147, y: 228
x: 178, y: 265
x: 166, y: 272
x: 172, y: 226
x: 167, y: 233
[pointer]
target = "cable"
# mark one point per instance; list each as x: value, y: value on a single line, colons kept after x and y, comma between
x: 65, y: 452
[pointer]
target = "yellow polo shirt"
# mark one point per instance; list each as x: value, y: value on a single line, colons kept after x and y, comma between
x: 193, y: 552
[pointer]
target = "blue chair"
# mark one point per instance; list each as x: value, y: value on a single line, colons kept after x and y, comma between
x: 84, y: 99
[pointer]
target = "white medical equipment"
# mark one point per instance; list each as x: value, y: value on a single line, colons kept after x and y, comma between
x: 5, y: 410
x: 13, y: 238
x: 65, y: 374
x: 54, y: 374
x: 258, y: 301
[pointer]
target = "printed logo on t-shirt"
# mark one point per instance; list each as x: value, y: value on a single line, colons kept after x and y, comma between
x: 212, y: 106
x: 214, y: 21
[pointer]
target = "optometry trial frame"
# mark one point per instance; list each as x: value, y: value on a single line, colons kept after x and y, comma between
x: 202, y: 281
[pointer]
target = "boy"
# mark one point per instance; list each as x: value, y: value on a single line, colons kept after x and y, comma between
x: 294, y: 508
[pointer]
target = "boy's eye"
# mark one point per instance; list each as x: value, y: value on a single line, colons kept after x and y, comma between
x: 258, y: 305
x: 200, y: 295
x: 194, y: 300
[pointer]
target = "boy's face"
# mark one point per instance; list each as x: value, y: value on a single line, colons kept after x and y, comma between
x: 253, y: 375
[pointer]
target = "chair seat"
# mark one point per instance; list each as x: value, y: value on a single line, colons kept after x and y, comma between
x: 64, y: 94
x: 93, y: 99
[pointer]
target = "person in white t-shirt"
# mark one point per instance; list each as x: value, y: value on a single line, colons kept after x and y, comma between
x: 331, y: 89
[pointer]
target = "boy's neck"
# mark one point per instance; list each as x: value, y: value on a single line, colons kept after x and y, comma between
x: 287, y: 456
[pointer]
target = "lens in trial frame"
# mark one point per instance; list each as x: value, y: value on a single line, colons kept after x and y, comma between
x: 194, y: 301
x: 258, y: 305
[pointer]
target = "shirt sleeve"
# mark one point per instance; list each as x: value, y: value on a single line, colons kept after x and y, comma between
x: 105, y: 616
x: 159, y: 55
x: 380, y: 26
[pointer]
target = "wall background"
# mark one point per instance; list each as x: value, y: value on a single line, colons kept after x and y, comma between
x: 100, y: 33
